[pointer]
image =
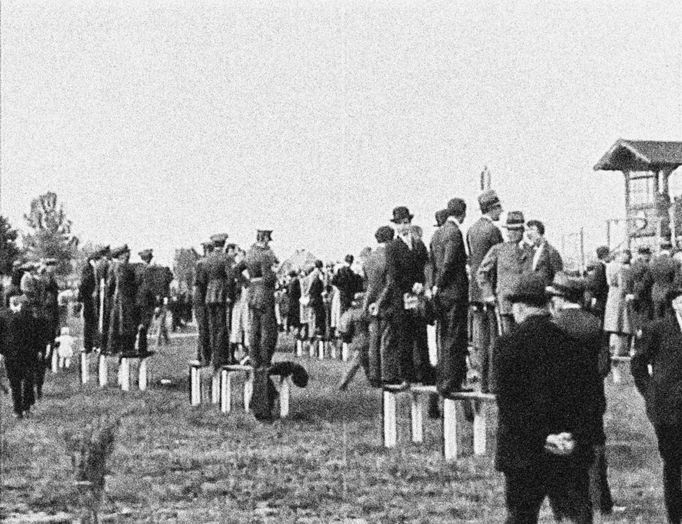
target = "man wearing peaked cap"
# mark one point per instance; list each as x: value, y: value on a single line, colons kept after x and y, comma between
x: 544, y: 442
x: 567, y: 294
x: 146, y: 255
x: 451, y: 294
x: 501, y: 268
x: 219, y: 239
x: 481, y: 237
x: 121, y: 291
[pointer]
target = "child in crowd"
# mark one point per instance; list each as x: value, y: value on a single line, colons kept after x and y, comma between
x: 64, y: 343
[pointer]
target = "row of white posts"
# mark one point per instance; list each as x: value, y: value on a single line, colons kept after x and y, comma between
x: 220, y: 384
x: 319, y: 348
x: 124, y: 370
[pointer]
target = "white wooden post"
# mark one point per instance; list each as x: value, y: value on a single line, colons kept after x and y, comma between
x: 194, y: 384
x: 124, y: 373
x: 417, y: 412
x: 334, y: 350
x: 345, y: 352
x: 390, y: 419
x: 215, y: 387
x: 311, y: 348
x: 284, y: 395
x: 85, y: 372
x: 299, y: 348
x: 248, y: 392
x: 142, y: 375
x: 103, y: 378
x: 225, y: 391
x: 320, y: 349
x: 450, y: 429
x: 480, y: 428
x: 54, y: 361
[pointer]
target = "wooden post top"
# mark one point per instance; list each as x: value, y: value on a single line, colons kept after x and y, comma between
x: 460, y: 395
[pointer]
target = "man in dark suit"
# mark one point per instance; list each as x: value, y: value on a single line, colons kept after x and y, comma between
x: 88, y: 297
x: 597, y: 285
x: 660, y: 346
x: 546, y: 259
x: 214, y: 277
x: 451, y: 293
x: 663, y: 269
x: 347, y: 282
x: 200, y: 310
x: 407, y: 355
x: 567, y: 294
x: 377, y: 279
x: 642, y: 282
x: 546, y: 412
x: 482, y: 235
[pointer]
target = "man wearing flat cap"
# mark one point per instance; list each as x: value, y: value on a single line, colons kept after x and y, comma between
x: 374, y: 302
x: 547, y: 412
x: 407, y: 355
x: 122, y: 296
x: 567, y: 295
x: 481, y: 236
x: 451, y: 294
x: 214, y: 276
x: 502, y: 267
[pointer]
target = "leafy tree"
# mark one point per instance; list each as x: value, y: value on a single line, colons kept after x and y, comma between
x: 50, y: 233
x: 9, y: 251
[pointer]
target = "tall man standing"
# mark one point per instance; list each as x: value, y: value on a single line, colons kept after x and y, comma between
x: 502, y: 268
x: 482, y: 235
x: 546, y: 259
x: 407, y: 355
x: 87, y: 297
x: 200, y: 310
x: 121, y: 295
x: 451, y: 293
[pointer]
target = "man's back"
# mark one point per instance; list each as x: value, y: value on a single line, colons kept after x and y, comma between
x: 481, y: 236
x: 449, y: 257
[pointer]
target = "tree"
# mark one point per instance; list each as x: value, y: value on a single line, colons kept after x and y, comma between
x: 50, y: 235
x: 9, y: 251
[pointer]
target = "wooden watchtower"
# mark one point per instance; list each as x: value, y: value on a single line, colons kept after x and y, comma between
x: 646, y: 166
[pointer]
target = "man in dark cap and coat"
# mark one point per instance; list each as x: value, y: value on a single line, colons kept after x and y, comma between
x: 598, y: 285
x: 547, y: 412
x: 642, y: 282
x: 406, y: 358
x: 122, y: 299
x: 348, y: 283
x: 502, y: 267
x: 87, y: 295
x: 663, y: 270
x: 102, y: 304
x: 451, y: 294
x: 481, y: 236
x: 200, y: 310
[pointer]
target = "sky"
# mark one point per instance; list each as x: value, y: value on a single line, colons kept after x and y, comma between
x: 159, y: 123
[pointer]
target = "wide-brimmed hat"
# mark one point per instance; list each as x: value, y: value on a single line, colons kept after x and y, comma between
x: 118, y: 251
x: 219, y: 239
x: 530, y: 289
x: 441, y: 216
x: 400, y: 213
x: 515, y: 220
x: 570, y: 288
x: 488, y: 200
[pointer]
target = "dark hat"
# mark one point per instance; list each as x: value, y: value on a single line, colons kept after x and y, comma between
x: 146, y: 253
x: 488, y: 200
x: 264, y: 234
x: 515, y: 220
x: 571, y: 289
x: 644, y: 250
x: 118, y: 251
x: 457, y: 206
x: 603, y: 251
x: 207, y: 243
x: 530, y: 289
x: 219, y: 239
x: 441, y: 216
x: 349, y: 259
x: 400, y: 213
x: 384, y: 234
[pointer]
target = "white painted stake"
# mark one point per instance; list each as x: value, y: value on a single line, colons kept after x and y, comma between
x: 450, y: 429
x: 311, y: 348
x: 195, y: 385
x: 103, y: 378
x: 616, y: 373
x: 480, y: 428
x: 142, y: 375
x: 225, y: 391
x: 345, y: 352
x: 417, y: 415
x: 248, y: 392
x: 335, y: 350
x: 284, y: 395
x: 299, y: 348
x: 215, y: 388
x: 85, y: 372
x: 54, y: 361
x: 390, y: 421
x: 320, y: 349
x: 124, y: 373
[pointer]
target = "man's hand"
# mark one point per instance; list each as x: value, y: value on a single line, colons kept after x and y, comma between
x: 561, y: 444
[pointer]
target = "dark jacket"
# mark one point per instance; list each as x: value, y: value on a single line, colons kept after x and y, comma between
x: 660, y: 346
x: 549, y: 263
x: 544, y: 387
x: 481, y: 236
x: 258, y: 261
x: 348, y: 284
x: 449, y: 262
x: 405, y: 267
x: 20, y: 336
x: 598, y: 289
x: 642, y: 282
x: 213, y: 275
x: 663, y: 270
x: 501, y: 270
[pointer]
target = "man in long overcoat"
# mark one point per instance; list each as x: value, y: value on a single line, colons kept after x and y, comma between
x: 451, y: 293
x: 481, y: 236
x: 87, y: 296
x: 663, y: 269
x: 200, y: 310
x: 122, y: 300
x: 502, y: 268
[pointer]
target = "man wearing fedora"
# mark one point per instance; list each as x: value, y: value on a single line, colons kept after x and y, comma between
x: 121, y: 297
x: 406, y: 358
x: 546, y: 412
x: 657, y: 370
x: 481, y: 236
x: 451, y: 294
x: 214, y: 277
x: 502, y: 267
x: 567, y: 294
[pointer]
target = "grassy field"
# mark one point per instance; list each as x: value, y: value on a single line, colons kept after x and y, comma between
x: 175, y: 463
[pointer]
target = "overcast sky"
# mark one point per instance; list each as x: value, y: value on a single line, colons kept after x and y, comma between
x: 160, y: 123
